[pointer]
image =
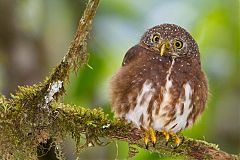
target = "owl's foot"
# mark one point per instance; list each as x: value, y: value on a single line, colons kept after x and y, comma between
x: 169, y: 135
x: 150, y: 135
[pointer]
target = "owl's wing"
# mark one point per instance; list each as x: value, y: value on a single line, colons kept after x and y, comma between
x: 131, y: 54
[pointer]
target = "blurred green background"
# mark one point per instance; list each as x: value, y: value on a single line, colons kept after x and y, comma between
x: 35, y: 34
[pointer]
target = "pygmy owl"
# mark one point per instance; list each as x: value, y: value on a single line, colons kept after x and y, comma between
x: 160, y: 86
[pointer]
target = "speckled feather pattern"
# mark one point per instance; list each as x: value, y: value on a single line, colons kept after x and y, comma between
x: 156, y: 91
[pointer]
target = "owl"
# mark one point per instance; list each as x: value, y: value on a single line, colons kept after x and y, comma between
x: 160, y: 86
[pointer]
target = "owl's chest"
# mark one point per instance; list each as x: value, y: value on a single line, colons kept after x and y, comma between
x: 158, y: 69
x: 153, y: 68
x: 163, y: 101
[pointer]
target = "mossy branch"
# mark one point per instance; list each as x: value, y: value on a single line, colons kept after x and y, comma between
x: 87, y: 126
x: 95, y: 124
x: 33, y: 115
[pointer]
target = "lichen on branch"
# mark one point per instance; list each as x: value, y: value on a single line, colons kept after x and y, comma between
x: 34, y: 115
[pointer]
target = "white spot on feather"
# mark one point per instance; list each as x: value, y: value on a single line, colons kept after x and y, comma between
x: 141, y: 108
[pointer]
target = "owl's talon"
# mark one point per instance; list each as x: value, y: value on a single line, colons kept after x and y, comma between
x: 166, y: 143
x: 177, y: 141
x: 172, y: 135
x: 154, y: 145
x: 146, y: 139
x: 176, y: 146
x: 150, y: 135
x: 146, y: 143
x: 153, y: 136
x: 166, y: 135
x: 146, y: 146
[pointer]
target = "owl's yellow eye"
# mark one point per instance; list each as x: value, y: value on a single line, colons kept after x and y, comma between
x: 156, y: 38
x: 178, y: 44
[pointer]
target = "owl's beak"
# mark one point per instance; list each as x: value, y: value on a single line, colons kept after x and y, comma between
x: 164, y: 45
x: 162, y: 49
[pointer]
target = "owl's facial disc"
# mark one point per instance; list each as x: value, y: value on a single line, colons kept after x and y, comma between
x: 159, y: 44
x: 162, y: 47
x: 170, y: 40
x: 165, y: 47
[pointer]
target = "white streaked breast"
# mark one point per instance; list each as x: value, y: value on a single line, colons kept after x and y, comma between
x: 141, y: 108
x: 181, y: 118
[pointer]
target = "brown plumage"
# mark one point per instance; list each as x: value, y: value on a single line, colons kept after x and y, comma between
x: 161, y: 84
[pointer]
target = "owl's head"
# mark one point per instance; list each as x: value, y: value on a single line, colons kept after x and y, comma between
x: 170, y: 40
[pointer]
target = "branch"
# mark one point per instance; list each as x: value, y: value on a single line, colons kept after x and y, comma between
x: 33, y: 115
x: 95, y: 124
x: 65, y: 120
